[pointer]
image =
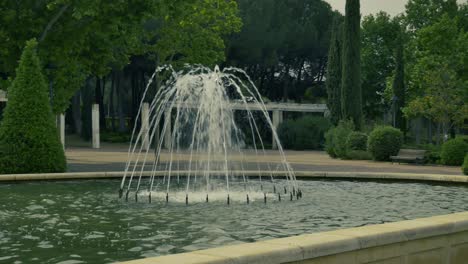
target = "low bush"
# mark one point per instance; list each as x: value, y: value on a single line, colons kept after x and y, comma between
x: 383, y: 142
x: 453, y: 152
x: 465, y: 165
x: 304, y: 133
x: 115, y: 137
x: 336, y: 138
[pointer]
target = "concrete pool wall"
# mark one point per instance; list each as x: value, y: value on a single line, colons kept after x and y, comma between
x: 438, y: 239
x: 299, y: 175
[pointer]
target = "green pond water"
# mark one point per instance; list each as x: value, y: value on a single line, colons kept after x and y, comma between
x: 85, y: 222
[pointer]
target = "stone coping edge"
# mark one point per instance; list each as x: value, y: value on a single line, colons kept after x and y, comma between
x: 299, y: 175
x: 303, y: 247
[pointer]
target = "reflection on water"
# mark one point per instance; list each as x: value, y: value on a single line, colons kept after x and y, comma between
x: 84, y: 222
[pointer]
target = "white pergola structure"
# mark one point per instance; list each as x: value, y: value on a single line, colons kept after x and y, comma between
x: 276, y: 108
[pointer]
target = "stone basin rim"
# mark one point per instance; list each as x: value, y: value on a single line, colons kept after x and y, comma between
x: 302, y: 175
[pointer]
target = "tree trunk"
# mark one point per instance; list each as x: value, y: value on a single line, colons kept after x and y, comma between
x: 111, y: 102
x: 76, y: 112
x: 120, y: 102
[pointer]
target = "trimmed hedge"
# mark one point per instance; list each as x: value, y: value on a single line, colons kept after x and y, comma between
x: 356, y: 141
x: 307, y: 132
x: 336, y: 138
x: 29, y: 141
x: 383, y: 142
x: 453, y: 152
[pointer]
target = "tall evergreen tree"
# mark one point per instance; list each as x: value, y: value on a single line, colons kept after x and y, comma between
x: 333, y: 81
x: 29, y: 141
x: 399, y: 85
x: 351, y: 93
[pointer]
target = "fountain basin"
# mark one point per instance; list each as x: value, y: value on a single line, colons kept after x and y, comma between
x: 84, y: 220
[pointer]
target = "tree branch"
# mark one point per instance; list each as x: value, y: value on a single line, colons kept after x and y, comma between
x: 53, y: 21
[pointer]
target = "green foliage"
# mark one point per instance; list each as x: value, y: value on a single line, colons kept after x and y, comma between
x: 356, y: 141
x: 379, y: 35
x: 465, y: 165
x: 399, y: 89
x: 91, y: 37
x: 333, y: 81
x: 336, y: 138
x: 453, y: 151
x: 439, y: 79
x: 29, y: 140
x: 384, y: 141
x: 278, y: 41
x: 422, y: 13
x: 304, y: 133
x: 351, y: 93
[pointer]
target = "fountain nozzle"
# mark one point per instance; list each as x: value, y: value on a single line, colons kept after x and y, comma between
x: 167, y: 197
x: 279, y: 197
x: 206, y: 197
x: 186, y: 199
x: 228, y: 200
x: 248, y: 199
x: 126, y: 195
x: 149, y: 198
x: 264, y: 197
x: 120, y: 193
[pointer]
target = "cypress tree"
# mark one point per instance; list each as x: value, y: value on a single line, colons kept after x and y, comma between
x: 29, y: 141
x: 399, y: 85
x: 333, y: 81
x: 351, y: 94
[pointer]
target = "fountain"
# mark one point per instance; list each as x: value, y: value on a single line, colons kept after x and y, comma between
x: 206, y: 133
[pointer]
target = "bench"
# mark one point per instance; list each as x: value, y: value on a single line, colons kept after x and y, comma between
x: 409, y: 155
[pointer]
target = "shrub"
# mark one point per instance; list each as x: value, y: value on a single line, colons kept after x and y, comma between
x: 453, y: 152
x: 336, y: 138
x: 304, y: 133
x: 356, y: 141
x: 115, y: 137
x: 28, y: 136
x: 465, y: 165
x: 384, y: 141
x: 329, y: 146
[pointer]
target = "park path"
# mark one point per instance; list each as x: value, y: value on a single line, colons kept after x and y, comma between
x: 113, y: 158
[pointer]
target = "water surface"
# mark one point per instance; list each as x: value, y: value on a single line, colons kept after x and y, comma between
x: 85, y: 222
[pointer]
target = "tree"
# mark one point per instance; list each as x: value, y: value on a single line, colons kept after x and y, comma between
x: 422, y: 13
x: 29, y: 140
x: 334, y: 68
x: 283, y: 46
x: 379, y: 34
x: 399, y: 90
x: 351, y: 98
x: 439, y: 76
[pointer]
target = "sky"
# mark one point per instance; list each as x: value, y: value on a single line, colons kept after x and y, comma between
x: 393, y: 7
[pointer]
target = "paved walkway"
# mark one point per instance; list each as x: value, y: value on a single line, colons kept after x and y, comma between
x: 114, y: 158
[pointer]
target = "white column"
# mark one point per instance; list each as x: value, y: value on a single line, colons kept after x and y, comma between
x: 145, y: 126
x: 277, y: 119
x: 61, y: 127
x: 167, y: 133
x: 95, y: 126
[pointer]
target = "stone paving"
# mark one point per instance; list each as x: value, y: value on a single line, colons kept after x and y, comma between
x: 113, y: 158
